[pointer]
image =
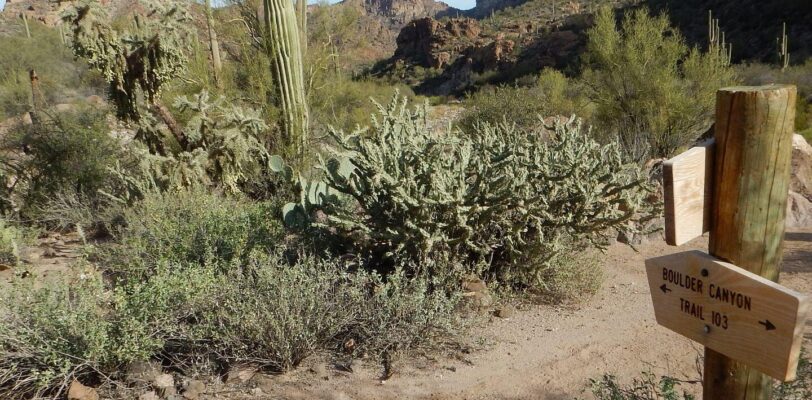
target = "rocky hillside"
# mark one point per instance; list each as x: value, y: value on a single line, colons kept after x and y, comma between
x: 502, y: 40
x: 451, y: 55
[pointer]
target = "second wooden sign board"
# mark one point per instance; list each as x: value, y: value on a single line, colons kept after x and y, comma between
x: 730, y: 310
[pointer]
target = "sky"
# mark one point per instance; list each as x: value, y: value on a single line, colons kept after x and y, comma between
x: 461, y: 4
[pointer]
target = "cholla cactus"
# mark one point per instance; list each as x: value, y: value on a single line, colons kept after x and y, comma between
x: 495, y: 194
x: 225, y: 147
x: 141, y: 59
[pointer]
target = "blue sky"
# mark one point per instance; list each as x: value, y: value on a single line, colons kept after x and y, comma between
x: 461, y: 4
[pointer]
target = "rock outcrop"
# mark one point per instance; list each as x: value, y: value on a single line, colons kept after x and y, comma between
x: 799, y: 204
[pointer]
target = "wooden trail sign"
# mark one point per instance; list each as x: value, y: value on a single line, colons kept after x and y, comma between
x: 732, y: 311
x: 735, y: 189
x: 688, y: 188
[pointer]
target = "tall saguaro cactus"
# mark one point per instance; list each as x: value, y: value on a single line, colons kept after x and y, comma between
x: 214, y: 47
x: 286, y: 54
x: 783, y: 49
x: 301, y: 11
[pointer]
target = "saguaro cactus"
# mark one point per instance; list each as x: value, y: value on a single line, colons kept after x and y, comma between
x: 285, y: 50
x: 214, y: 47
x: 25, y: 23
x: 301, y: 11
x: 783, y: 49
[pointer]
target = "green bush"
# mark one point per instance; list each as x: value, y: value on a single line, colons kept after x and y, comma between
x: 62, y: 79
x: 647, y: 387
x: 68, y: 155
x: 11, y: 241
x: 551, y: 95
x: 81, y: 329
x: 651, y: 92
x: 193, y: 226
x: 492, y: 193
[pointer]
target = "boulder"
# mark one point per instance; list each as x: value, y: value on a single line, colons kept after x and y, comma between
x: 77, y: 391
x: 799, y: 211
x: 801, y: 179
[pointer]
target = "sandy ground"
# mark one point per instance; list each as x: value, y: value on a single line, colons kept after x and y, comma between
x: 546, y: 352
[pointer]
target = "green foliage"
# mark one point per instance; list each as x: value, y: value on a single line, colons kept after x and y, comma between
x: 551, y: 95
x: 67, y: 155
x: 62, y: 79
x: 83, y: 330
x: 136, y: 61
x: 646, y: 387
x: 493, y: 193
x: 274, y: 314
x: 224, y: 147
x: 193, y: 226
x: 11, y: 241
x: 651, y: 92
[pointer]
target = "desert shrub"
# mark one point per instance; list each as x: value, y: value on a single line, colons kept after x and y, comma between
x: 646, y: 387
x: 275, y: 314
x: 11, y: 241
x: 403, y: 314
x: 492, y: 193
x: 84, y: 330
x: 62, y: 78
x: 552, y: 94
x: 651, y: 92
x: 568, y: 277
x: 344, y: 103
x: 67, y: 155
x: 193, y: 226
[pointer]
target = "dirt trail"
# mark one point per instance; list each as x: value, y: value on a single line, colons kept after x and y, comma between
x: 546, y: 352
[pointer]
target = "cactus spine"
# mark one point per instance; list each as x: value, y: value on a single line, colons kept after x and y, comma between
x: 286, y: 55
x: 214, y: 47
x: 783, y: 48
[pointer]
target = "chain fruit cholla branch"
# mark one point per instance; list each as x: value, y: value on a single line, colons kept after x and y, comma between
x: 494, y: 193
x: 285, y: 50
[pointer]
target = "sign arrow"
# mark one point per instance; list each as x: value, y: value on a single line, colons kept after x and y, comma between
x: 767, y: 324
x: 665, y: 288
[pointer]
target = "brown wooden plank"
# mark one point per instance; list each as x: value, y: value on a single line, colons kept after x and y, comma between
x: 732, y: 311
x: 688, y: 190
x: 753, y: 133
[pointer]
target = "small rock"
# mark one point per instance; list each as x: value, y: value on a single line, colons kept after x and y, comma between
x: 505, y: 311
x: 164, y: 381
x: 77, y: 391
x: 142, y: 372
x: 165, y: 384
x: 194, y: 389
x: 149, y: 396
x: 240, y: 374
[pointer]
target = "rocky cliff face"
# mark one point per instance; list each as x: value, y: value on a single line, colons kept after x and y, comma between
x: 400, y: 12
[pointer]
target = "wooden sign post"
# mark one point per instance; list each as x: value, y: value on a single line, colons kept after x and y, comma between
x: 736, y: 189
